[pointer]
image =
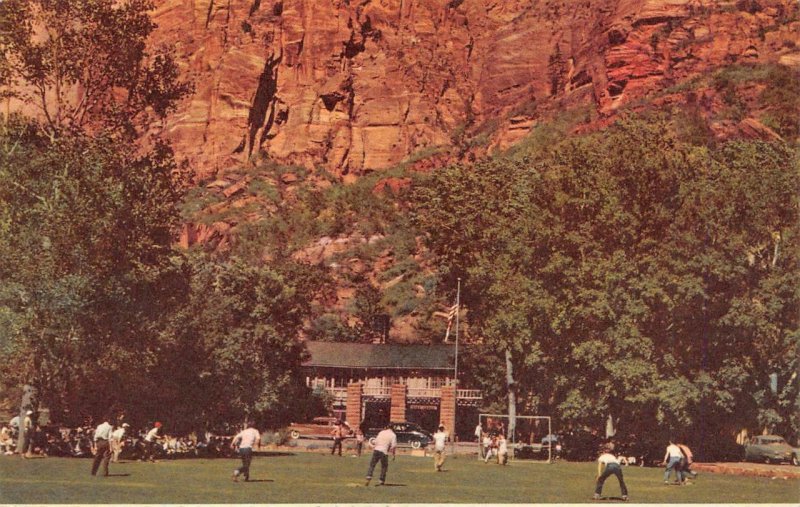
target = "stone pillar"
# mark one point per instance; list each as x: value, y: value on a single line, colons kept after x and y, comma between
x: 447, y: 410
x: 398, y: 410
x: 353, y: 405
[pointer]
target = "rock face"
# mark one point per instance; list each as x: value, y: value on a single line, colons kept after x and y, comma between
x: 360, y: 85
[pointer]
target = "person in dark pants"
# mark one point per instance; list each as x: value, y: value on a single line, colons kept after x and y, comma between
x: 102, y: 440
x: 607, y: 465
x: 150, y: 441
x: 245, y: 440
x: 685, y: 464
x: 338, y: 437
x: 385, y: 441
x: 359, y: 442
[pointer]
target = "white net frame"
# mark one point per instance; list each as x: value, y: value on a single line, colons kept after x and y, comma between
x: 515, y: 440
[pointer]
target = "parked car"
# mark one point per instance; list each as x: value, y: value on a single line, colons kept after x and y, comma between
x: 770, y: 449
x: 407, y: 434
x: 319, y: 427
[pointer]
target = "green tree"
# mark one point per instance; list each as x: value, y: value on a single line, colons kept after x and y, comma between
x: 87, y: 264
x: 232, y: 348
x: 611, y: 273
x: 86, y: 64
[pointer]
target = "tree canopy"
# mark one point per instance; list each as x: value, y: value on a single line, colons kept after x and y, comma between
x: 631, y: 273
x: 86, y: 64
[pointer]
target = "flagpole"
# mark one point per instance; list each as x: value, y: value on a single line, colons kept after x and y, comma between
x: 458, y: 310
x: 455, y: 373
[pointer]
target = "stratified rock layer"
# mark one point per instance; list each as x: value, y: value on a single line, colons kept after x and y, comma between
x: 354, y: 86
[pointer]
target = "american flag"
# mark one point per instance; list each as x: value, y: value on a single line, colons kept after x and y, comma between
x: 451, y: 315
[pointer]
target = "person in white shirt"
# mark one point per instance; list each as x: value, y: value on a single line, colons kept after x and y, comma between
x: 385, y: 441
x: 102, y: 441
x: 150, y: 443
x: 245, y: 440
x: 478, y: 435
x: 117, y: 441
x: 607, y: 465
x: 439, y: 439
x: 502, y: 450
x: 489, y: 447
x: 672, y: 459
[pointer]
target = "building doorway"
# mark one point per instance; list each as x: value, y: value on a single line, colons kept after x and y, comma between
x: 425, y: 414
x: 376, y: 414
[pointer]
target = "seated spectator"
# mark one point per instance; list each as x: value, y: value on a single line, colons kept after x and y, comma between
x: 6, y: 441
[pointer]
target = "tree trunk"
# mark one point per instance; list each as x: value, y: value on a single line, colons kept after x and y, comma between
x: 512, y: 397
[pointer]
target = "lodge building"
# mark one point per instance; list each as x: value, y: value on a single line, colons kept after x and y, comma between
x: 377, y: 382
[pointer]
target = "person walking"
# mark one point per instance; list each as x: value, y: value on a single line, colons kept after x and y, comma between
x: 439, y: 440
x: 672, y: 459
x: 607, y: 465
x: 338, y: 433
x: 102, y: 441
x: 150, y: 443
x: 245, y: 440
x: 385, y: 441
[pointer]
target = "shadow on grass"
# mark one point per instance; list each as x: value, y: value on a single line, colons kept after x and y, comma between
x: 391, y: 485
x: 260, y: 480
x: 118, y: 475
x: 273, y: 454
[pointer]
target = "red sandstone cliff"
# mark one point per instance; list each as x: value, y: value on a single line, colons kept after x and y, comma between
x: 360, y: 85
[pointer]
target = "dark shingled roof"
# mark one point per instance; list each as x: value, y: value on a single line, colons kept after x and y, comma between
x: 369, y: 355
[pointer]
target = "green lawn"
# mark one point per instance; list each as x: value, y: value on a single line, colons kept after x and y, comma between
x: 318, y: 478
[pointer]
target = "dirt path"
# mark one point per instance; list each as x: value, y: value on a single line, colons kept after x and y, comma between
x: 749, y: 469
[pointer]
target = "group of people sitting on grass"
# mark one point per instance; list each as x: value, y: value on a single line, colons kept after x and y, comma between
x: 79, y: 442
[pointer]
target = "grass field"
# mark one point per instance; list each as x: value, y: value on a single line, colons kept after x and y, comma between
x: 318, y: 478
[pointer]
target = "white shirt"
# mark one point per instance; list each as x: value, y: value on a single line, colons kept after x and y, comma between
x: 151, y: 435
x: 247, y: 438
x: 103, y: 432
x: 502, y: 446
x: 607, y: 458
x: 673, y: 451
x: 439, y: 438
x: 385, y: 441
x: 118, y: 434
x: 478, y: 431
